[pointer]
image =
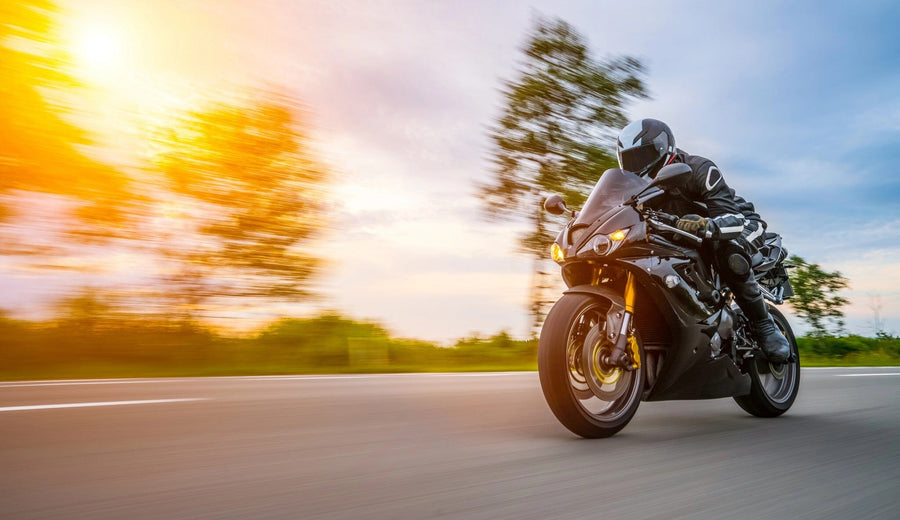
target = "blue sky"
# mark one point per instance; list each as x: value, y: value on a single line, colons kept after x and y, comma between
x: 797, y: 102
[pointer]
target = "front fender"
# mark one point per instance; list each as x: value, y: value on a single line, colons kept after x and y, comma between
x: 616, y: 313
x: 596, y: 290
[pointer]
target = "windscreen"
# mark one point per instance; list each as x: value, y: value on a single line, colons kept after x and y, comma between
x: 614, y: 187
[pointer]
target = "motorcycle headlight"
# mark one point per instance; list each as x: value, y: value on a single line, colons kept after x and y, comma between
x: 557, y: 254
x: 605, y: 244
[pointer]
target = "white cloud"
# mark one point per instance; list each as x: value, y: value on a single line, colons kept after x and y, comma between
x: 401, y: 96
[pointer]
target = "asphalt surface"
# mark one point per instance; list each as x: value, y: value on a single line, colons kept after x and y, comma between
x: 466, y: 446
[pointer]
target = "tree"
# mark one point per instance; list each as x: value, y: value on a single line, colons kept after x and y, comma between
x: 39, y: 149
x: 877, y: 322
x: 815, y: 297
x: 248, y: 196
x: 85, y: 311
x: 555, y: 135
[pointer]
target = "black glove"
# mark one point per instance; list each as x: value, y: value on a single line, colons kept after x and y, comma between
x: 696, y: 225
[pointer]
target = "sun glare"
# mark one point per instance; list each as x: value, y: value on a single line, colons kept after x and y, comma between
x: 98, y: 48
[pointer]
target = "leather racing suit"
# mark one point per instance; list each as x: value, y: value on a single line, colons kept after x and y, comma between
x: 737, y: 232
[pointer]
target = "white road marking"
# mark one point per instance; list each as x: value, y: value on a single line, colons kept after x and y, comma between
x: 308, y: 377
x: 85, y: 382
x: 870, y: 375
x: 885, y: 367
x: 103, y: 403
x: 78, y: 382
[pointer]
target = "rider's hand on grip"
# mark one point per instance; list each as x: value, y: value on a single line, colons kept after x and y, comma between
x: 695, y: 224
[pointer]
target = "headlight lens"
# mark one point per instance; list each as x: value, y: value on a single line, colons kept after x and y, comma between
x: 557, y: 254
x: 603, y: 245
x: 600, y: 244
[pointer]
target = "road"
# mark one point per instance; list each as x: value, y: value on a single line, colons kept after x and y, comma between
x: 466, y: 446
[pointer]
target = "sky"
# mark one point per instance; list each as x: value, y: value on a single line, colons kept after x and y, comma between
x: 798, y: 103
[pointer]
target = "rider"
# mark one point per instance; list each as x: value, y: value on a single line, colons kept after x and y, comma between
x: 713, y: 211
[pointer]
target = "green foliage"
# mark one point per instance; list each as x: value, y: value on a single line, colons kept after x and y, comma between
x: 321, y: 342
x: 849, y: 350
x: 815, y: 297
x: 556, y: 132
x: 97, y: 341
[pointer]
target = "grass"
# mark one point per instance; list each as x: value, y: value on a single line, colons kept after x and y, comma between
x: 328, y: 344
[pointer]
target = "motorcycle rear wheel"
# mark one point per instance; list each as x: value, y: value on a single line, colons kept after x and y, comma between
x: 564, y: 375
x: 773, y: 387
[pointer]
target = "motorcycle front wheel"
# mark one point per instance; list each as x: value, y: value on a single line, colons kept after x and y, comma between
x: 590, y: 399
x: 773, y: 386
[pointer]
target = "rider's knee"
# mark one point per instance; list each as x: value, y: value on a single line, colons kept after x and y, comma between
x: 738, y: 264
x: 734, y: 260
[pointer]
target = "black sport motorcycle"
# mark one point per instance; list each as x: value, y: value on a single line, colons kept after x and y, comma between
x: 647, y: 317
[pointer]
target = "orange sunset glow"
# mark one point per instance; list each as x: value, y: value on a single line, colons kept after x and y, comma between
x: 240, y: 162
x: 420, y: 259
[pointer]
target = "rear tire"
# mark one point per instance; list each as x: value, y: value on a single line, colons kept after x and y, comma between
x: 564, y: 376
x: 773, y: 386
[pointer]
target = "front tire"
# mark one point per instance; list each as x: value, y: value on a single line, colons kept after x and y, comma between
x: 561, y: 365
x: 773, y: 386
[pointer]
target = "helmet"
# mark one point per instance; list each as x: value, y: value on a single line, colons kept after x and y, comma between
x: 645, y: 146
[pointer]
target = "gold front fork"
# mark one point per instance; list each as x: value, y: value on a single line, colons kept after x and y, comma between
x: 629, y: 293
x: 629, y: 313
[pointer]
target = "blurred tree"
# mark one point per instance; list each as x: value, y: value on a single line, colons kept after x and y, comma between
x: 38, y: 147
x: 815, y: 297
x: 249, y: 197
x: 85, y: 311
x: 556, y: 135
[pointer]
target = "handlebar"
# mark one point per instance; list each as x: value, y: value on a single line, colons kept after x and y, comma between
x: 663, y: 217
x: 665, y: 222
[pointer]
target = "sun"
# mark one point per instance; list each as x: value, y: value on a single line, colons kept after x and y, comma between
x: 98, y: 48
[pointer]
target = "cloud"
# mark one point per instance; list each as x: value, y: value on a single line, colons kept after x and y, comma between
x: 785, y: 104
x: 798, y: 103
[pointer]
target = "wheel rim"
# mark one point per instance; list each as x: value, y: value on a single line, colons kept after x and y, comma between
x: 778, y: 379
x: 617, y: 388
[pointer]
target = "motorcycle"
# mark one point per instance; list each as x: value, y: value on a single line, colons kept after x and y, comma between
x: 646, y: 316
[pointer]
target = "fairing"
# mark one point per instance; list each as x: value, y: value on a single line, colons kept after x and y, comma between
x: 691, y: 305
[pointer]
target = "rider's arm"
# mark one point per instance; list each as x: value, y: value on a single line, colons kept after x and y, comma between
x: 725, y: 216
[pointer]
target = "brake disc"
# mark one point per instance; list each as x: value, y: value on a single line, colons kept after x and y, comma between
x: 577, y: 380
x: 606, y: 381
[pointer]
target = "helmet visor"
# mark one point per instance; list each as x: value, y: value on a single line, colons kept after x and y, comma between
x: 638, y: 159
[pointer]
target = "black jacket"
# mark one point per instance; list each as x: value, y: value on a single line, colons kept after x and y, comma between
x: 706, y: 194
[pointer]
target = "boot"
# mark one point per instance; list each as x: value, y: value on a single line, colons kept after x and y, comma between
x: 772, y: 342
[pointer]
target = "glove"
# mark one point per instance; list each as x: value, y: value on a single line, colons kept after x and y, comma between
x: 696, y: 225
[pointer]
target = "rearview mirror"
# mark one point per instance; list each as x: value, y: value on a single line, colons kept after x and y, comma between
x: 671, y: 175
x: 555, y: 205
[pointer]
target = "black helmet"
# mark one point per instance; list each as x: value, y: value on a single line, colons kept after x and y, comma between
x: 645, y: 146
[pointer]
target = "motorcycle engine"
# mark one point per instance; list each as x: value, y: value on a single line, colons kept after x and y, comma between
x: 724, y: 334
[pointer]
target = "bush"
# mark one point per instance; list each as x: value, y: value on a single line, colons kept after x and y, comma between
x: 120, y: 346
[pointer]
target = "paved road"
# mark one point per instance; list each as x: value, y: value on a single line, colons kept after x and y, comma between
x: 467, y: 446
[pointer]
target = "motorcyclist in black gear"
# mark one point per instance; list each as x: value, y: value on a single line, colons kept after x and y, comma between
x: 711, y: 210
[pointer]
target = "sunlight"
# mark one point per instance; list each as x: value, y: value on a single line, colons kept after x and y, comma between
x: 98, y: 48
